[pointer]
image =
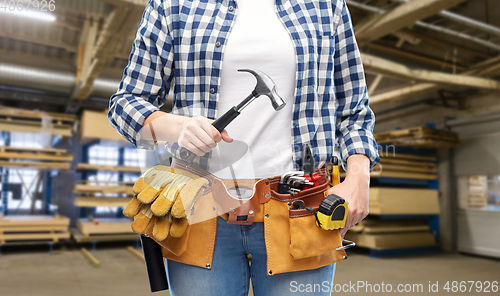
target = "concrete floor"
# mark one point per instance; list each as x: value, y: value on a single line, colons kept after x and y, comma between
x: 66, y: 272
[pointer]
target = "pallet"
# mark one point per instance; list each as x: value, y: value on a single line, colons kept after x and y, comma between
x: 97, y: 167
x: 36, y: 165
x: 34, y: 127
x: 404, y: 168
x: 405, y: 156
x: 91, y: 202
x: 92, y: 189
x: 80, y: 238
x: 33, y: 228
x: 419, y: 137
x: 34, y: 154
x: 399, y: 175
x: 104, y: 226
x: 56, y: 118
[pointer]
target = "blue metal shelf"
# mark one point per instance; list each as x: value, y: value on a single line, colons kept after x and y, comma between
x: 404, y: 252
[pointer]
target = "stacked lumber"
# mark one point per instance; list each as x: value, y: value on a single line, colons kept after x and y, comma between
x: 20, y: 120
x: 104, y: 226
x: 419, y: 137
x: 405, y: 166
x: 403, y: 201
x: 28, y: 229
x: 114, y: 168
x: 478, y: 192
x: 102, y: 193
x: 105, y: 229
x: 44, y: 158
x: 95, y: 126
x: 391, y: 234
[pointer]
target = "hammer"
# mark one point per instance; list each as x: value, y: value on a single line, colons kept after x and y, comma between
x: 265, y: 86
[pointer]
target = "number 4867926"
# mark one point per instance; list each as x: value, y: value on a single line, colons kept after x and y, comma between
x: 26, y: 5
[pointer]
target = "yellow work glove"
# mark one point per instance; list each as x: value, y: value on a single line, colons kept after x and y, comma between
x: 164, y: 196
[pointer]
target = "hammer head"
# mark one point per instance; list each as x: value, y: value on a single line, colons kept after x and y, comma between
x: 266, y: 86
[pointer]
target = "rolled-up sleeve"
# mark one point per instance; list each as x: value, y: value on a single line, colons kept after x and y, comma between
x: 355, y: 119
x: 147, y: 77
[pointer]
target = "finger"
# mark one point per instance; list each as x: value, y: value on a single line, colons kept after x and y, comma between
x: 194, y: 149
x: 216, y: 135
x: 205, y: 141
x: 210, y: 131
x: 226, y: 137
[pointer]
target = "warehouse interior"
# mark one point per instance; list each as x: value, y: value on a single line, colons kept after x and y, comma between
x: 433, y: 77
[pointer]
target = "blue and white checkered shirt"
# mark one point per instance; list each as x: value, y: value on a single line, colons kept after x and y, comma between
x: 185, y: 39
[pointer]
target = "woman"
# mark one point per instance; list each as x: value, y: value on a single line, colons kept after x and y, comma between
x: 308, y: 48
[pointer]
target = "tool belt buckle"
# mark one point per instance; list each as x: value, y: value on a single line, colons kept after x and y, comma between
x: 234, y: 218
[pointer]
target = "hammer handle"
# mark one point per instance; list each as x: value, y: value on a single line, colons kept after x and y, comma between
x: 221, y: 122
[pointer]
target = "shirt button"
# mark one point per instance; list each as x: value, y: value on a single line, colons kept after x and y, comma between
x: 212, y: 91
x: 231, y: 8
x: 217, y: 44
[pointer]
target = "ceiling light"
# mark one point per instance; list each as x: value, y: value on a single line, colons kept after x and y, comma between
x: 43, y: 16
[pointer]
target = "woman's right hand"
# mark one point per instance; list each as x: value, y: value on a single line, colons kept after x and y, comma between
x: 199, y: 136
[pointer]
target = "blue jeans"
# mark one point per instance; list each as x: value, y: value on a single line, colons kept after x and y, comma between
x: 231, y: 272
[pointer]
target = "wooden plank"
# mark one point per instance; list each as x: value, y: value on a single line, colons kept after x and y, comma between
x: 83, y: 188
x: 420, y: 143
x: 80, y: 238
x: 34, y: 127
x: 35, y: 156
x: 95, y: 125
x: 104, y: 226
x: 92, y: 260
x: 138, y: 254
x: 398, y: 201
x: 23, y: 113
x: 91, y: 167
x: 34, y: 220
x: 35, y: 236
x: 409, y: 156
x: 402, y: 16
x: 91, y: 202
x: 403, y: 175
x: 26, y: 149
x: 33, y: 228
x: 36, y: 165
x: 404, y: 168
x: 399, y: 175
x: 377, y: 65
x: 423, y: 164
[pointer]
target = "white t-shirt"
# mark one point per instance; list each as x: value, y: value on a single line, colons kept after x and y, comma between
x: 259, y: 40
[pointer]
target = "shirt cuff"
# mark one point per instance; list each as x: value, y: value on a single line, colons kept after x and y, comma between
x: 359, y: 142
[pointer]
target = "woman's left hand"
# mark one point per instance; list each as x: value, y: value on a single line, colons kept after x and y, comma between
x: 354, y: 190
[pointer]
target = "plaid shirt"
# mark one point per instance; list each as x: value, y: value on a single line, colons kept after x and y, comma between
x: 185, y: 39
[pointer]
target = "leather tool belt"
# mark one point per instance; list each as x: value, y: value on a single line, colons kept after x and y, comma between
x: 243, y: 212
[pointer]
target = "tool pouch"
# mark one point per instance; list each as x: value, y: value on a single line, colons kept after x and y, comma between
x: 307, y: 239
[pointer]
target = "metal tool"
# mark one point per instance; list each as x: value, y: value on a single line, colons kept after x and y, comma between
x: 283, y: 186
x: 265, y: 87
x: 307, y: 160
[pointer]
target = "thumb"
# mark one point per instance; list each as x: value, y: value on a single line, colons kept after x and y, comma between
x: 216, y: 135
x: 226, y: 137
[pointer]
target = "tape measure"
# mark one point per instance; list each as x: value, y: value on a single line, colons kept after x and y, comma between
x: 332, y: 212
